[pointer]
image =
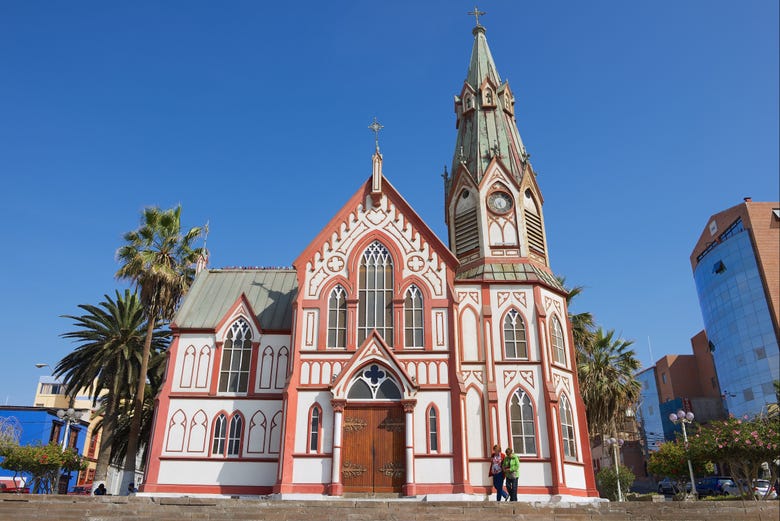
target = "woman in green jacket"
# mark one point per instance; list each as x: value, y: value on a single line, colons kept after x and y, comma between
x: 511, y: 466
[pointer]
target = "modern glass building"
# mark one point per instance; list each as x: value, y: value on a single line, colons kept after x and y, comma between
x: 649, y: 410
x: 736, y: 268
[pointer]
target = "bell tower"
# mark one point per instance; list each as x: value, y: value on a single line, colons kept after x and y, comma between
x: 493, y: 203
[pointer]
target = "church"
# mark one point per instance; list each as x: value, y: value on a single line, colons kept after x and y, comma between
x: 386, y: 361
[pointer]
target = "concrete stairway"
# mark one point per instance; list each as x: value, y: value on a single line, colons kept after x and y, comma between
x: 26, y: 507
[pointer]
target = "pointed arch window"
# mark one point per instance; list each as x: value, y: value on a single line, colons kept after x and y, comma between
x: 337, y: 317
x: 315, y: 428
x: 521, y: 414
x: 515, y: 343
x: 413, y: 317
x: 235, y: 435
x: 433, y: 429
x: 559, y: 347
x: 218, y: 441
x: 375, y: 283
x: 374, y: 383
x: 567, y: 430
x: 236, y: 356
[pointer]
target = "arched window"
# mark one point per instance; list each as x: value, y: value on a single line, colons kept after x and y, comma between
x: 218, y: 442
x: 433, y: 430
x: 515, y: 345
x: 559, y: 348
x: 413, y: 317
x: 375, y: 307
x: 236, y: 355
x: 315, y: 426
x: 234, y: 439
x: 374, y: 384
x: 521, y: 414
x: 337, y: 318
x: 567, y: 430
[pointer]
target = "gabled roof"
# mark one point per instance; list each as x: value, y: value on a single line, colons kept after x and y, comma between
x: 396, y: 199
x: 270, y: 292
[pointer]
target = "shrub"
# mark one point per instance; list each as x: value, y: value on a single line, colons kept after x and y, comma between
x: 608, y: 481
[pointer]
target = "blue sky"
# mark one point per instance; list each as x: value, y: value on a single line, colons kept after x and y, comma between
x: 642, y: 119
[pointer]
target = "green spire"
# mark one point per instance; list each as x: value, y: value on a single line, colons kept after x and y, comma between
x: 481, y: 65
x: 485, y: 117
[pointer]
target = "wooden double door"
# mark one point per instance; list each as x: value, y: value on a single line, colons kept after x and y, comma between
x: 373, y: 444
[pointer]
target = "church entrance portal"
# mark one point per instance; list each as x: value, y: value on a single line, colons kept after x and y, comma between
x: 373, y: 448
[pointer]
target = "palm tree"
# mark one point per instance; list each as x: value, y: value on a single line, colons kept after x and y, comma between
x: 582, y: 324
x: 159, y: 260
x: 155, y: 374
x: 606, y: 369
x: 107, y: 360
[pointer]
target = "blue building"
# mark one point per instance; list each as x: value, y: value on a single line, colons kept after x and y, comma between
x: 41, y: 425
x: 737, y: 273
x: 649, y: 410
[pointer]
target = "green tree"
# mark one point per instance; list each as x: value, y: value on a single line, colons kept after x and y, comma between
x: 607, y: 480
x: 42, y: 464
x: 107, y: 361
x: 671, y: 459
x: 743, y: 444
x: 606, y: 369
x: 159, y: 259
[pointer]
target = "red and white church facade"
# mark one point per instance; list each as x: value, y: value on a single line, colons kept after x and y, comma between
x: 386, y: 361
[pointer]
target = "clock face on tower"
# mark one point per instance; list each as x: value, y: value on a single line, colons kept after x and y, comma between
x: 500, y: 202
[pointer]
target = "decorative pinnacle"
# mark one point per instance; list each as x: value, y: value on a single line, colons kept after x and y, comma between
x: 476, y: 13
x: 375, y: 127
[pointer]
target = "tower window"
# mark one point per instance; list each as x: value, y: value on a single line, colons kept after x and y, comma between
x: 466, y: 233
x: 533, y: 223
x: 515, y: 345
x: 521, y: 413
x: 719, y: 267
x: 559, y: 347
x: 567, y: 430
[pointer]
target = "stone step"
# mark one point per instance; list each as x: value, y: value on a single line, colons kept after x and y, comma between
x: 24, y: 507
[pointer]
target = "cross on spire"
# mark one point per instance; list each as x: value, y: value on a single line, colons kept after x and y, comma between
x: 375, y: 127
x: 476, y: 13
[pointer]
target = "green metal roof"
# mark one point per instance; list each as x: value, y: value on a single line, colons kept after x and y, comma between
x: 523, y: 272
x: 270, y: 292
x: 487, y: 132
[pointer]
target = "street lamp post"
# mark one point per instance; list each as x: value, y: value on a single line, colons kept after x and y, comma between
x: 682, y: 418
x: 616, y: 444
x: 68, y: 416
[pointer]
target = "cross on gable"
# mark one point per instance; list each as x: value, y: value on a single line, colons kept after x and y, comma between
x: 375, y: 127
